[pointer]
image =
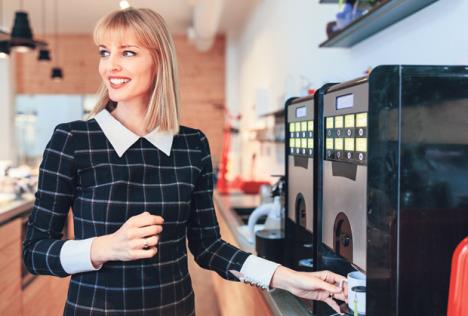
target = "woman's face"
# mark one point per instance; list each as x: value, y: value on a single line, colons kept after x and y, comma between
x: 127, y: 69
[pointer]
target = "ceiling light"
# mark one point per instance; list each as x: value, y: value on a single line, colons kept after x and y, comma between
x: 4, y: 49
x: 44, y: 54
x: 124, y: 4
x: 57, y: 74
x: 21, y: 34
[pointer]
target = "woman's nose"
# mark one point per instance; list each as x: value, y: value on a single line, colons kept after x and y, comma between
x: 114, y: 64
x: 116, y: 67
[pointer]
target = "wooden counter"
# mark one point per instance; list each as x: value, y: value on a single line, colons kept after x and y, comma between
x: 236, y: 298
x: 35, y: 295
x: 10, y: 268
x: 241, y: 299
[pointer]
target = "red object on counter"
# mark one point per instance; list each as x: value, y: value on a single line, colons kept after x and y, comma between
x: 222, y: 184
x: 458, y: 292
x: 252, y: 187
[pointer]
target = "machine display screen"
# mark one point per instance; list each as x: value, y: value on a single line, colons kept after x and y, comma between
x: 301, y: 112
x: 345, y: 101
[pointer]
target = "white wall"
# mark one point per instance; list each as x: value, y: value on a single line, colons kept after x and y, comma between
x: 278, y: 46
x: 48, y: 111
x: 7, y: 110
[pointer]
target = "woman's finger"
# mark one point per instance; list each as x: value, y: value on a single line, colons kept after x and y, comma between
x: 146, y: 219
x: 330, y: 277
x: 340, y: 296
x: 146, y: 253
x: 323, y: 285
x: 331, y: 302
x: 149, y: 241
x: 148, y: 231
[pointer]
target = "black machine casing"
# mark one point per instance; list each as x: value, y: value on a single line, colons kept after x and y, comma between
x: 416, y: 199
x: 304, y: 182
x: 299, y: 193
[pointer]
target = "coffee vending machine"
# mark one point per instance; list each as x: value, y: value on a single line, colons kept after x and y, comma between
x: 395, y: 185
x: 304, y: 156
x: 300, y: 176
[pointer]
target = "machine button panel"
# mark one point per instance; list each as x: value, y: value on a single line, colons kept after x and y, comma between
x: 346, y: 138
x: 301, y: 138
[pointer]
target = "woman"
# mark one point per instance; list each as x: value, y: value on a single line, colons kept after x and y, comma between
x: 139, y: 185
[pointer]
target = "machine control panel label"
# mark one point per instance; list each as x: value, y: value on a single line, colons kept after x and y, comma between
x: 301, y: 138
x: 346, y: 138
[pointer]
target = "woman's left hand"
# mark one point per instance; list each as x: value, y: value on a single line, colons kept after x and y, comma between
x: 323, y: 286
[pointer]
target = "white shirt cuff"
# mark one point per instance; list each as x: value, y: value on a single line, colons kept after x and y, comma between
x: 75, y: 256
x: 257, y: 271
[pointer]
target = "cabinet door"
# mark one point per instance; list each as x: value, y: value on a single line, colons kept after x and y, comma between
x: 10, y: 268
x: 45, y: 296
x: 237, y: 298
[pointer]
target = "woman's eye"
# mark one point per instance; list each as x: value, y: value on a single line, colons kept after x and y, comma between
x: 103, y: 53
x: 129, y: 53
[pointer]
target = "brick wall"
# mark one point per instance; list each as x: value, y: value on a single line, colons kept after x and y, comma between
x: 78, y: 59
x: 202, y: 90
x: 201, y: 79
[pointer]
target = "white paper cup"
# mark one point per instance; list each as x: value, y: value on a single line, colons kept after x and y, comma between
x: 356, y: 278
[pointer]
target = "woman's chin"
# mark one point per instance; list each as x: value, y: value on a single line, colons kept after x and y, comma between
x: 116, y: 98
x: 113, y: 99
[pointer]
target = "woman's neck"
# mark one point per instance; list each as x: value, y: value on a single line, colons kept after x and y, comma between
x: 132, y: 116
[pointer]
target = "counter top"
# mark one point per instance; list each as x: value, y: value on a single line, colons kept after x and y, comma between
x: 15, y: 208
x: 281, y: 302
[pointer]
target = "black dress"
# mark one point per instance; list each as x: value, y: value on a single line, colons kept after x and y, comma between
x: 81, y: 170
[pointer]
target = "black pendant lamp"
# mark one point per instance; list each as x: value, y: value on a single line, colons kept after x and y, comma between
x: 21, y: 35
x: 57, y: 73
x: 4, y: 37
x: 4, y: 49
x: 44, y: 53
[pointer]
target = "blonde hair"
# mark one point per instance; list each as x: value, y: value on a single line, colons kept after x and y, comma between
x: 152, y: 33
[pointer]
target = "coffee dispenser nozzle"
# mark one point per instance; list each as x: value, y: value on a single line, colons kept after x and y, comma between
x: 273, y: 213
x: 279, y: 188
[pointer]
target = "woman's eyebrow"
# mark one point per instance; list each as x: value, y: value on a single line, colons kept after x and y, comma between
x: 121, y: 46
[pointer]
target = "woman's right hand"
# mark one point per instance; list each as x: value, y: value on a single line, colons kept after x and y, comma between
x: 128, y: 242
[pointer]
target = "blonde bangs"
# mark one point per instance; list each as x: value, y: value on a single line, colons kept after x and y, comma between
x: 115, y: 28
x: 151, y: 33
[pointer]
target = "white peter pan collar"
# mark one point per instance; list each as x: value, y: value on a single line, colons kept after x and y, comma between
x: 121, y: 138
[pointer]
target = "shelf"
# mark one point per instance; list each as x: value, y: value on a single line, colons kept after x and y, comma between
x: 276, y: 114
x: 264, y: 135
x: 378, y: 18
x: 276, y: 141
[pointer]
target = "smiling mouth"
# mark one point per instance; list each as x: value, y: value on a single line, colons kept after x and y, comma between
x: 117, y: 83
